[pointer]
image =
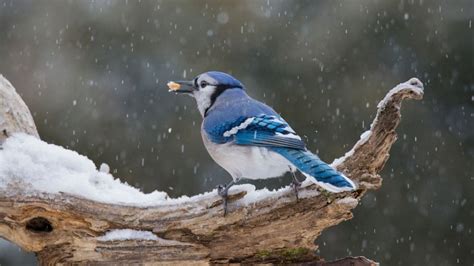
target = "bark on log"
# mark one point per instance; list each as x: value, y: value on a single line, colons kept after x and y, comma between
x: 62, y: 228
x: 14, y: 114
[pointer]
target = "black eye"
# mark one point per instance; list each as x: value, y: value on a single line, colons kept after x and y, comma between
x: 204, y: 84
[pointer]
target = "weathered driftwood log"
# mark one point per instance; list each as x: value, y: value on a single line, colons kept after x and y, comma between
x: 64, y: 228
x: 14, y: 114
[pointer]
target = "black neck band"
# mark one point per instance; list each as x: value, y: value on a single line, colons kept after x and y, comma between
x: 219, y: 90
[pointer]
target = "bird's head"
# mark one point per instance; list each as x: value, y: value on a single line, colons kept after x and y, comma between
x: 206, y: 87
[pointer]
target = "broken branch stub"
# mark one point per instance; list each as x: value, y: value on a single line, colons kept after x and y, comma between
x: 368, y: 156
x: 66, y: 228
x: 14, y: 114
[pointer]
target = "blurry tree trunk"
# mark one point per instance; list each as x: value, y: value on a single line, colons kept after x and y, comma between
x: 62, y: 228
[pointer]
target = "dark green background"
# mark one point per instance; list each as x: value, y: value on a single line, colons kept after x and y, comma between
x: 94, y: 72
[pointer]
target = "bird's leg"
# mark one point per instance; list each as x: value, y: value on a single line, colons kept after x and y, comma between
x: 222, y: 191
x: 295, y: 184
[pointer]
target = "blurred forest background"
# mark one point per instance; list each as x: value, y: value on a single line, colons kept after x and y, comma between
x: 94, y: 75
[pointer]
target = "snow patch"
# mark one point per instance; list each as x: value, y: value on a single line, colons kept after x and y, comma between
x: 348, y: 201
x: 254, y: 195
x: 412, y: 84
x: 39, y: 167
x: 104, y: 168
x: 128, y: 234
x: 363, y: 139
x: 365, y: 136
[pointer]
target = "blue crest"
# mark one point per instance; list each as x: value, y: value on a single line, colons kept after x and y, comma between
x: 225, y: 79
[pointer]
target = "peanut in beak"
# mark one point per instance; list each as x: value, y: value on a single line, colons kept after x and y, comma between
x: 173, y: 86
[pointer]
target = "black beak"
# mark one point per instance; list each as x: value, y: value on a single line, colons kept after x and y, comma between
x: 186, y: 87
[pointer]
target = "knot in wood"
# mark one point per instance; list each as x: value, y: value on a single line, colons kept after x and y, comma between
x: 39, y: 225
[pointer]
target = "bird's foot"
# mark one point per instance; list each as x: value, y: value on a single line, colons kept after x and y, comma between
x: 223, y: 192
x: 295, y: 184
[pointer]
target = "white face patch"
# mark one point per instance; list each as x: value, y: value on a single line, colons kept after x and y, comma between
x: 207, y: 87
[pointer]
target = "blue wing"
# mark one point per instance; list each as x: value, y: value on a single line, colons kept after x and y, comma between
x: 266, y: 131
x: 263, y: 130
x: 241, y: 120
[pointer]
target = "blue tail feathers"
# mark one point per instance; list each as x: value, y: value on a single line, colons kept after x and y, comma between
x: 317, y: 170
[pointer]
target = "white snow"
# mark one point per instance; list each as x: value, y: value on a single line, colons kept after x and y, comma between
x: 41, y: 167
x: 348, y: 201
x: 365, y: 135
x: 38, y: 167
x: 363, y: 139
x: 104, y: 168
x: 412, y: 84
x: 254, y: 195
x: 130, y: 234
x: 127, y: 234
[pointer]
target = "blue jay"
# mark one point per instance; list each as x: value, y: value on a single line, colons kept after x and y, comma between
x: 249, y: 139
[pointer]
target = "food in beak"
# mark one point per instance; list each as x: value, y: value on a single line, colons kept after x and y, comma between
x: 173, y: 86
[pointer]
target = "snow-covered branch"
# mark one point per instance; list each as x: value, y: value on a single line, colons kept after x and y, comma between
x: 56, y: 203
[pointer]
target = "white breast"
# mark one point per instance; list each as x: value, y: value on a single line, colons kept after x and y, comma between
x: 247, y: 161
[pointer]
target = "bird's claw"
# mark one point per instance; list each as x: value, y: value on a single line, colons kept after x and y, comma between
x: 296, y: 185
x: 222, y: 191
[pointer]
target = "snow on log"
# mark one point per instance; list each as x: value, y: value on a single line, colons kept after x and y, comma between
x: 55, y: 202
